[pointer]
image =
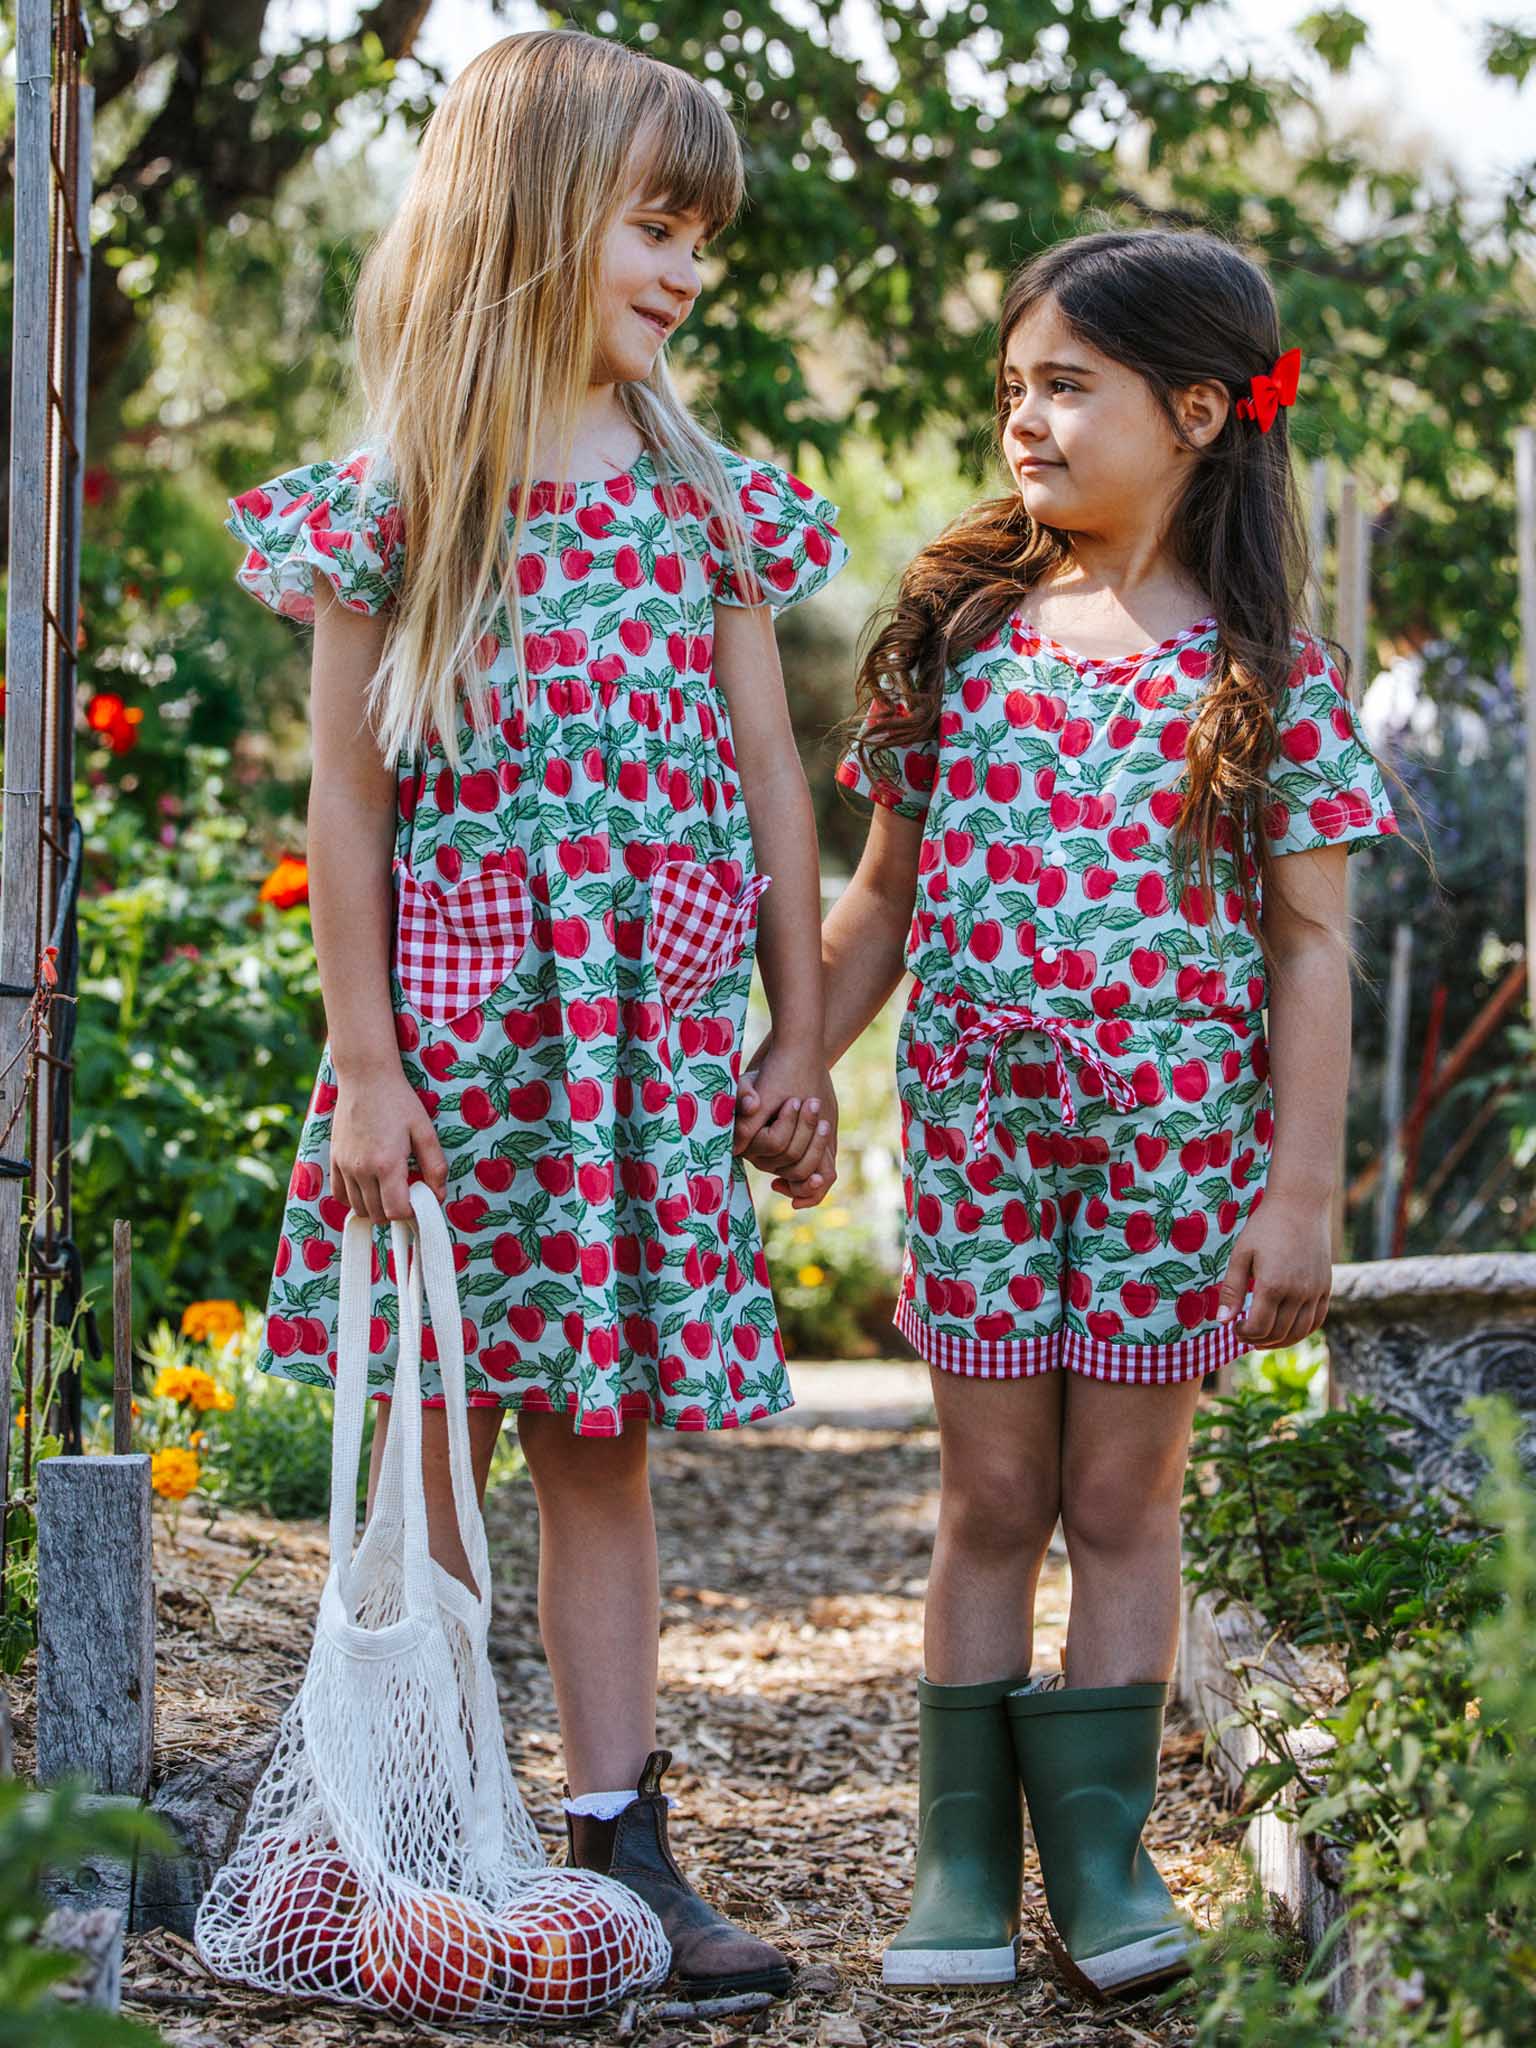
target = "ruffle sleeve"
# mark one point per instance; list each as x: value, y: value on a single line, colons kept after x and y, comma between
x: 904, y: 779
x: 341, y: 519
x: 791, y: 532
x: 1326, y: 787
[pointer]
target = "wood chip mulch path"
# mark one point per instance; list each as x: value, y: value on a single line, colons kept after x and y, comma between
x: 793, y: 1563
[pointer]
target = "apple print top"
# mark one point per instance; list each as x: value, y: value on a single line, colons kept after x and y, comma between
x: 1050, y: 792
x: 574, y: 933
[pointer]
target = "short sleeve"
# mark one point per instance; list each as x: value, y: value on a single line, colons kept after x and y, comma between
x: 903, y: 779
x: 791, y: 532
x: 340, y: 518
x: 1327, y: 788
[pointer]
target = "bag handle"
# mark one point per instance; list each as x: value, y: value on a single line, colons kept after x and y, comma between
x: 485, y: 1742
x: 401, y: 1492
x: 442, y: 1292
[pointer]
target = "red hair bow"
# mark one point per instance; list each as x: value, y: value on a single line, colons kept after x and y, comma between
x: 1272, y: 391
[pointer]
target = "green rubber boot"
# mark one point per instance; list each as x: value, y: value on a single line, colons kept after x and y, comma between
x: 1087, y: 1760
x: 964, y: 1923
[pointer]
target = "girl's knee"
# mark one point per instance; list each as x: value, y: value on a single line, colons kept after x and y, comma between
x: 560, y: 1461
x: 1109, y: 1508
x: 996, y: 1508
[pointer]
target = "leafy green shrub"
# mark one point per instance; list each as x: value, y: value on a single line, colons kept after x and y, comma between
x: 269, y: 1448
x: 39, y: 1832
x: 1429, y: 1796
x: 1305, y: 1517
x: 199, y: 1033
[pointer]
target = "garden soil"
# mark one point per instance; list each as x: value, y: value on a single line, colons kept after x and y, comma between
x: 793, y: 1562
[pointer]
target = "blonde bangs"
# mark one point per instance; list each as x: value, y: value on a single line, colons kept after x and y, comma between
x: 694, y: 159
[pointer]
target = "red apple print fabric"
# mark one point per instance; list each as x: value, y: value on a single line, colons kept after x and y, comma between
x: 575, y: 924
x: 1083, y: 1071
x: 341, y: 518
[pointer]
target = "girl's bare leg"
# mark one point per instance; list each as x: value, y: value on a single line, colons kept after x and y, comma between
x: 442, y: 1522
x: 599, y: 1595
x: 1000, y: 1457
x: 1122, y: 1479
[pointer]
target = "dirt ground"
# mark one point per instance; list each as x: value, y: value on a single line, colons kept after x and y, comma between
x: 793, y: 1563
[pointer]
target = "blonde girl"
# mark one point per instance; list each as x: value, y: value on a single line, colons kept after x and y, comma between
x: 553, y: 774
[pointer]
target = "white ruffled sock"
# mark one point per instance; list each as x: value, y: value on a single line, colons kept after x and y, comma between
x: 601, y: 1805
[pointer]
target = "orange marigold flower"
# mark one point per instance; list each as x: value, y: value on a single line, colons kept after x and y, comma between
x: 174, y: 1473
x: 287, y: 885
x: 212, y: 1322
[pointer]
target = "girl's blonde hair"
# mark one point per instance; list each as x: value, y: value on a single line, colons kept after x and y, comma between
x: 477, y: 324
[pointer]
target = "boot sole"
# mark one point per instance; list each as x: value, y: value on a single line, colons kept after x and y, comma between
x: 775, y: 1982
x: 1119, y: 1970
x: 950, y: 1965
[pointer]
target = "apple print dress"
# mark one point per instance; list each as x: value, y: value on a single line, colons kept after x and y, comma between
x: 1086, y: 1107
x: 575, y: 918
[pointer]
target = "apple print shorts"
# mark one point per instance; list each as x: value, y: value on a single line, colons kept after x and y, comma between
x: 1073, y: 1190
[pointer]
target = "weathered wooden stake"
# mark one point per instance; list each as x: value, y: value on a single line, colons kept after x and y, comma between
x: 95, y: 1622
x: 1350, y: 611
x: 1317, y: 542
x: 1525, y: 549
x: 122, y: 1337
x: 1398, y: 989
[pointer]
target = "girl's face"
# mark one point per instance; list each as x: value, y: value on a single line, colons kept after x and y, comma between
x: 649, y: 281
x: 1087, y: 444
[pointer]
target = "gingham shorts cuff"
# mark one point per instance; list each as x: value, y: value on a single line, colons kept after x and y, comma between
x: 1016, y: 1358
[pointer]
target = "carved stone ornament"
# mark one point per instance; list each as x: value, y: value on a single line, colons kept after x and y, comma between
x: 1425, y: 1335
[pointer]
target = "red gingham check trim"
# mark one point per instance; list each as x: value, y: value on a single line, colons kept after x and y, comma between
x: 1006, y: 1020
x: 1015, y: 1358
x: 698, y: 929
x: 979, y: 1358
x: 454, y: 947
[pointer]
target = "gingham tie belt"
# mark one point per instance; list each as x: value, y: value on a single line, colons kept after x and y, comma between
x: 1005, y: 1021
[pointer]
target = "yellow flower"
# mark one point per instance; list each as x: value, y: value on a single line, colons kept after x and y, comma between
x: 174, y: 1473
x: 197, y: 1439
x: 212, y: 1322
x: 810, y: 1276
x: 189, y: 1383
x: 21, y: 1418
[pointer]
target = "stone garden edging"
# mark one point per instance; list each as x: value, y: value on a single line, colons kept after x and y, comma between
x: 1225, y: 1654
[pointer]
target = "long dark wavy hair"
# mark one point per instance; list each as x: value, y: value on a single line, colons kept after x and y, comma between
x: 1178, y: 309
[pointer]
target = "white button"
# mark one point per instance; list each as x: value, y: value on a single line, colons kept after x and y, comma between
x: 1047, y: 954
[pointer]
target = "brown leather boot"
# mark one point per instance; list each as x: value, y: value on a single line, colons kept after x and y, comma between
x: 712, y: 1958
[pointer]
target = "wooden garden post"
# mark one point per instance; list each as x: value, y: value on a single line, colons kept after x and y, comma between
x: 21, y: 807
x: 1351, y: 584
x: 1525, y: 543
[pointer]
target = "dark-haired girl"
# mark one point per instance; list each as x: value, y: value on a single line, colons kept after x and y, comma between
x: 1115, y: 785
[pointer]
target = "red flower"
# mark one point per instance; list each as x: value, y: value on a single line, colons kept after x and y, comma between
x: 287, y: 885
x: 118, y: 723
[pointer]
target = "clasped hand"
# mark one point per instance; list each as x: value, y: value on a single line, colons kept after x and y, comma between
x: 786, y: 1123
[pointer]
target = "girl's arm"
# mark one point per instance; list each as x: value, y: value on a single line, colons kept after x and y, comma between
x: 379, y: 1120
x: 795, y: 1077
x: 863, y: 952
x: 1285, y: 1249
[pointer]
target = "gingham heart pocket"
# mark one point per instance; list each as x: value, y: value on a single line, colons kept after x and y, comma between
x: 699, y: 929
x: 454, y: 947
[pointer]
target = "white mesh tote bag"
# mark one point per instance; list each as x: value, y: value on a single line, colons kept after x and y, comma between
x: 387, y: 1859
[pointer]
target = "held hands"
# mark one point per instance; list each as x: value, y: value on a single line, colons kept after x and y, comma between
x: 786, y: 1122
x: 379, y: 1126
x: 1284, y: 1253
